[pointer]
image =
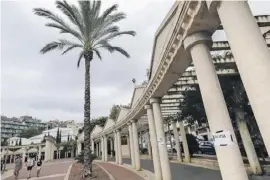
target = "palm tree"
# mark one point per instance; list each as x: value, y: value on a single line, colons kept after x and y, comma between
x: 93, y: 30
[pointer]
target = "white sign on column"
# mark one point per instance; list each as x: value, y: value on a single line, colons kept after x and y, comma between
x: 222, y: 138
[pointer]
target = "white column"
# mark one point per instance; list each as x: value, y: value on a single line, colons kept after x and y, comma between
x: 97, y: 149
x: 252, y: 58
x: 116, y: 147
x: 154, y: 144
x: 162, y: 147
x: 102, y: 149
x: 92, y: 146
x: 79, y: 148
x: 215, y: 106
x: 184, y: 142
x: 111, y: 143
x: 105, y: 149
x: 39, y: 152
x: 149, y: 148
x: 119, y: 147
x: 177, y: 143
x: 131, y: 145
x: 136, y: 145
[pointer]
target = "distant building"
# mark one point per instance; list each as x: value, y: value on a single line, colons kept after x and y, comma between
x: 12, y: 127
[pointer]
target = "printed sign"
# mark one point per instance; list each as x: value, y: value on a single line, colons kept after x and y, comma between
x: 222, y: 138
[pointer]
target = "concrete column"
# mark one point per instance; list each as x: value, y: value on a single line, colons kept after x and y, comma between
x: 92, y: 146
x: 105, y: 149
x: 47, y: 151
x: 252, y: 58
x: 136, y: 145
x: 162, y: 147
x: 215, y: 106
x: 184, y: 141
x: 39, y: 152
x: 177, y: 143
x: 149, y: 148
x: 111, y: 143
x: 79, y: 148
x: 10, y: 159
x: 96, y: 149
x: 102, y: 149
x: 119, y: 147
x: 131, y: 145
x: 154, y: 144
x: 116, y: 147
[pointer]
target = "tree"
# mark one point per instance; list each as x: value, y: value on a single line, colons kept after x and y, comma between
x: 30, y: 132
x: 58, y: 136
x: 93, y: 30
x: 20, y: 142
x: 114, y: 112
x: 4, y: 142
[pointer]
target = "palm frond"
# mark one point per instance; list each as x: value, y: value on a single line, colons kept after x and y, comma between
x: 80, y: 57
x: 71, y: 12
x: 65, y: 30
x: 99, y: 33
x: 52, y: 46
x: 116, y: 48
x: 58, y: 22
x: 113, y: 35
x: 60, y: 45
x: 85, y: 10
x: 108, y: 11
x: 71, y: 47
x: 97, y: 53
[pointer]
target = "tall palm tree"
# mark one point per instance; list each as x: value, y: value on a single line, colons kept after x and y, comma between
x: 93, y: 30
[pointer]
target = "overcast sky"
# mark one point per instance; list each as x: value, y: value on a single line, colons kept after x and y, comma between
x: 50, y: 86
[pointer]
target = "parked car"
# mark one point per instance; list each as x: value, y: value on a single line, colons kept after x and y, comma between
x: 206, y: 147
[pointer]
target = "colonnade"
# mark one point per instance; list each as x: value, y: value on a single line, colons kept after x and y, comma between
x: 252, y: 58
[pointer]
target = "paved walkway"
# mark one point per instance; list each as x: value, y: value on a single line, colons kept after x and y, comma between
x: 189, y: 172
x: 54, y: 170
x: 120, y: 173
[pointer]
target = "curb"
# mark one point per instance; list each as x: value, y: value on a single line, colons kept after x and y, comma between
x: 110, y: 176
x: 68, y: 172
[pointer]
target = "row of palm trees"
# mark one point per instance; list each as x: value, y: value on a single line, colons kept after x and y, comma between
x: 92, y: 30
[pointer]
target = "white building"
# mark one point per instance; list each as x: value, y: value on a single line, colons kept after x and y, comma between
x: 14, y: 141
x: 65, y: 132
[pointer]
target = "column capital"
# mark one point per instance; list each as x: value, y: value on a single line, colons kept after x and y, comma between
x: 201, y: 37
x: 212, y: 6
x: 148, y: 106
x: 134, y: 120
x: 154, y: 100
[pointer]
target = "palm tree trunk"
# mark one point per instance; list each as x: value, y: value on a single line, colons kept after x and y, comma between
x: 247, y: 142
x: 87, y: 109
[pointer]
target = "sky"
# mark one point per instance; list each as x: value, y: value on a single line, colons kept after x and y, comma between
x: 50, y: 86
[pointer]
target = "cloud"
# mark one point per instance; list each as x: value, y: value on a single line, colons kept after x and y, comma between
x: 50, y: 86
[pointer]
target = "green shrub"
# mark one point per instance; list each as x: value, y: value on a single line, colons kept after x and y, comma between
x: 80, y: 157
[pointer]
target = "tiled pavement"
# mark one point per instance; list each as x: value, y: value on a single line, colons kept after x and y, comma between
x: 55, y: 170
x: 120, y: 173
